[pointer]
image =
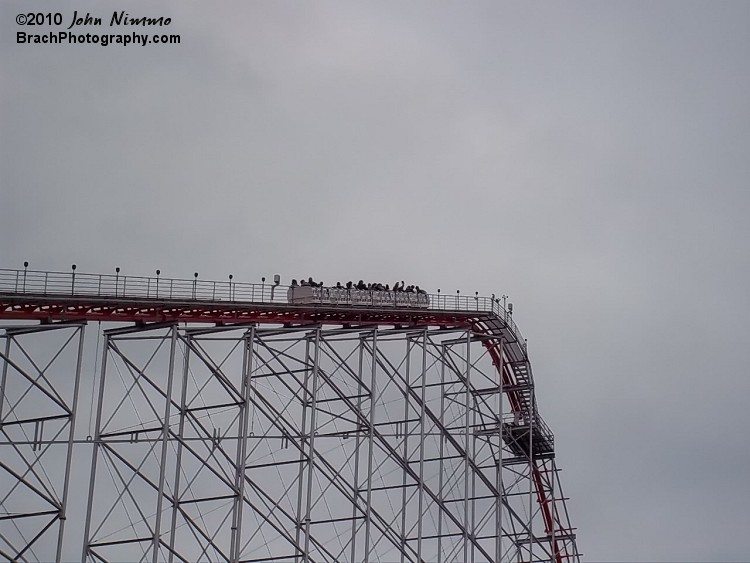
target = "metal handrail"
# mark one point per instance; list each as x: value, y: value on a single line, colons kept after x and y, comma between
x: 114, y: 286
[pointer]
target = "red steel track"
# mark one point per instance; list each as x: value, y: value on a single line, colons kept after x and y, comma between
x: 74, y: 308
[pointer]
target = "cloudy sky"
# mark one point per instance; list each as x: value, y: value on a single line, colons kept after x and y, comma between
x: 589, y: 159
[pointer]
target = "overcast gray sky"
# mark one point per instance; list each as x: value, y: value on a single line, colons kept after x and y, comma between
x: 589, y: 159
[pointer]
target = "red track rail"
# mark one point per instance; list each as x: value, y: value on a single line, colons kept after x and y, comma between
x: 49, y: 309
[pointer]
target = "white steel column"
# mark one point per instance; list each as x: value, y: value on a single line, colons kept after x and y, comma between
x: 467, y: 449
x: 371, y: 445
x: 241, y: 460
x: 312, y: 398
x: 71, y: 437
x: 501, y: 492
x: 405, y: 431
x: 180, y: 446
x: 357, y: 437
x: 164, y: 445
x: 423, y: 381
x: 95, y: 450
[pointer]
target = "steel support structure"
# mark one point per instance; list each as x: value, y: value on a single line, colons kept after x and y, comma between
x: 252, y: 443
x: 265, y: 432
x: 40, y: 370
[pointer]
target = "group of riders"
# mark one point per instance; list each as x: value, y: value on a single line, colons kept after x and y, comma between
x: 362, y: 286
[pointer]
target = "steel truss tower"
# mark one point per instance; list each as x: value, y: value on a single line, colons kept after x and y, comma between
x: 262, y: 431
x: 40, y: 368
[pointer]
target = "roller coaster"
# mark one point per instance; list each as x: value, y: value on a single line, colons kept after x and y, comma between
x: 248, y: 422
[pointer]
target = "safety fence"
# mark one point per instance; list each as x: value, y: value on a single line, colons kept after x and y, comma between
x: 115, y: 286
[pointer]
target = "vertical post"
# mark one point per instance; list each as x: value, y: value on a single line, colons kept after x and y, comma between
x: 303, y: 438
x: 38, y: 430
x: 473, y: 480
x: 311, y: 442
x: 499, y: 477
x: 406, y: 448
x: 531, y: 478
x: 356, y: 454
x: 467, y: 445
x: 532, y: 468
x: 421, y: 444
x: 241, y: 461
x: 441, y: 455
x: 370, y: 445
x: 95, y: 450
x: 181, y: 437
x: 5, y: 374
x: 552, y: 512
x: 164, y: 445
x: 71, y: 435
x: 73, y: 281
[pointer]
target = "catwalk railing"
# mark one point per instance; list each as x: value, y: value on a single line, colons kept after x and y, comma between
x: 117, y: 286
